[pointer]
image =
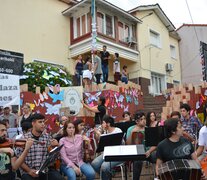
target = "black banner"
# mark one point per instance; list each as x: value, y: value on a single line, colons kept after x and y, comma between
x: 11, y: 62
x: 203, y: 53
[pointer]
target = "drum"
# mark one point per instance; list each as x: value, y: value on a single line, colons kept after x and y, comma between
x: 180, y: 169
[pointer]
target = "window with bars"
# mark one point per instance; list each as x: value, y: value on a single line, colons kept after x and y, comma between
x: 157, y: 83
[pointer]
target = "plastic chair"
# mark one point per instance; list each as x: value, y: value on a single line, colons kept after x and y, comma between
x: 121, y: 166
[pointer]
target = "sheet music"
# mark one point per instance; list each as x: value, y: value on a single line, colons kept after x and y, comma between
x: 120, y: 150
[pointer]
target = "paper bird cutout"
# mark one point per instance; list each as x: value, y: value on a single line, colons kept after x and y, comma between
x: 46, y: 76
x: 37, y: 103
x: 66, y: 81
x: 56, y: 97
x: 23, y: 77
x: 27, y: 69
x: 52, y: 109
x: 32, y: 106
x: 91, y: 97
x: 54, y: 73
x: 43, y: 96
x: 62, y: 72
x: 54, y: 89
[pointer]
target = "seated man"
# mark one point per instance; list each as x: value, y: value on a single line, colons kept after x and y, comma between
x: 38, y: 152
x: 98, y: 163
x: 174, y: 146
x: 9, y: 162
x: 139, y: 130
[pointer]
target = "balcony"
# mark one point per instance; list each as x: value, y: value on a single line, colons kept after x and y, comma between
x: 115, y: 28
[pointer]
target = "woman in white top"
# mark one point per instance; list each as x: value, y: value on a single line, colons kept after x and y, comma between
x: 116, y: 68
x: 87, y: 75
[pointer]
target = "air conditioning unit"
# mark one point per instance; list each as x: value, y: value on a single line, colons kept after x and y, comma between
x: 131, y: 39
x: 168, y: 67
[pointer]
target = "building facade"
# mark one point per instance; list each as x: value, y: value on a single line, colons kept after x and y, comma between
x: 191, y: 64
x: 159, y: 64
x: 37, y: 29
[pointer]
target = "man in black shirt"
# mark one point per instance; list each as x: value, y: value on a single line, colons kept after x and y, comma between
x: 105, y: 56
x: 99, y: 110
x: 175, y: 146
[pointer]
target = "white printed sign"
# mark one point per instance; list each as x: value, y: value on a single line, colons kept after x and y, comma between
x: 9, y: 90
x: 72, y: 98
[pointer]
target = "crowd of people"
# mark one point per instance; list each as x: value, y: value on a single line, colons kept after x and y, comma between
x: 186, y: 138
x: 85, y: 72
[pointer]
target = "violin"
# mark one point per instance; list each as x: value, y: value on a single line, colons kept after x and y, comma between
x: 87, y: 148
x: 17, y: 143
x: 87, y: 151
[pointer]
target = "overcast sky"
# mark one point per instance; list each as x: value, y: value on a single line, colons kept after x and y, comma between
x: 176, y: 10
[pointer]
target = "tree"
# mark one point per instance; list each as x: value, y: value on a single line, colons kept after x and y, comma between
x: 42, y: 74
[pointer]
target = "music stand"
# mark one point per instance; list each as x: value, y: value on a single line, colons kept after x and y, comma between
x: 154, y: 135
x: 124, y: 125
x: 109, y: 140
x: 52, y: 156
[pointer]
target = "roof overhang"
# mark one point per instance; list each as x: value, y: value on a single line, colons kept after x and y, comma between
x: 160, y: 13
x: 103, y: 4
x: 85, y: 46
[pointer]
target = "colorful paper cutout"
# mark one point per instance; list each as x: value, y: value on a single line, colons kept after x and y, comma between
x: 57, y: 97
x: 52, y: 109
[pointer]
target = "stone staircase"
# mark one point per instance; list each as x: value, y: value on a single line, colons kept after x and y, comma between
x: 153, y: 103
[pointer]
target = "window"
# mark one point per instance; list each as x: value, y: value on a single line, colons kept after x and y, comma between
x: 124, y: 32
x: 81, y: 25
x: 105, y: 24
x: 172, y: 52
x: 100, y: 19
x: 121, y: 31
x: 78, y: 27
x: 155, y: 39
x: 109, y: 26
x: 157, y: 83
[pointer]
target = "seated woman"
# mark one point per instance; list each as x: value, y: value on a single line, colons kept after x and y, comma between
x: 72, y: 154
x: 151, y: 120
x: 79, y: 126
x: 127, y: 116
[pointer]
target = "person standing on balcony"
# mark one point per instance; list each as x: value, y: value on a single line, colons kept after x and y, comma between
x: 97, y: 68
x: 116, y: 68
x: 124, y: 76
x: 78, y: 69
x: 105, y: 56
x: 87, y: 75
